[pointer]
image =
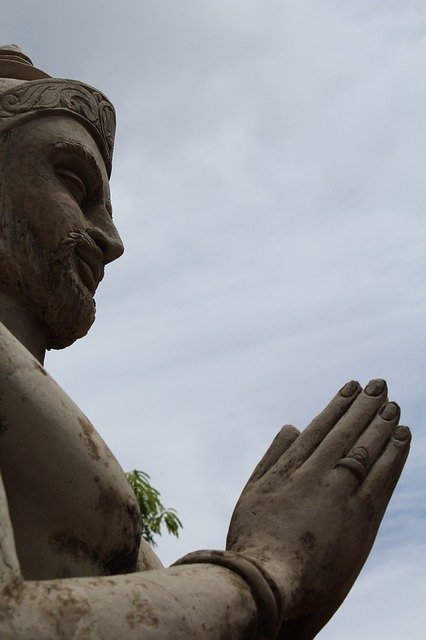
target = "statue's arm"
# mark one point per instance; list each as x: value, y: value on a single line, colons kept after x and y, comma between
x: 147, y: 558
x: 197, y: 602
x: 200, y: 601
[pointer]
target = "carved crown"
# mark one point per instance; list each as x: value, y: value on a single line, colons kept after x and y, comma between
x: 28, y: 98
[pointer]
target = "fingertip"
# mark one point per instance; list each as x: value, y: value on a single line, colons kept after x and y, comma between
x: 390, y: 411
x: 376, y: 387
x: 288, y: 430
x: 350, y: 388
x: 402, y: 434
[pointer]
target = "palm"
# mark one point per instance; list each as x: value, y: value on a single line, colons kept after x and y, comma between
x: 312, y: 523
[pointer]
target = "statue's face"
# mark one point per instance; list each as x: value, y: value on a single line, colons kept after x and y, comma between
x: 56, y: 230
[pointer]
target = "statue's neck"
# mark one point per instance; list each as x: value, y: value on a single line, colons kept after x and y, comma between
x: 24, y: 326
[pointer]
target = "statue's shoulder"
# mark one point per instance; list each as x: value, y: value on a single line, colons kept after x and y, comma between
x: 72, y: 509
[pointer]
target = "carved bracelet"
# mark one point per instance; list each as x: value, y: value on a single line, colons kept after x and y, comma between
x: 266, y: 597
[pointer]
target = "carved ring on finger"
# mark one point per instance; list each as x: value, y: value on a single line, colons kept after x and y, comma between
x: 356, y: 461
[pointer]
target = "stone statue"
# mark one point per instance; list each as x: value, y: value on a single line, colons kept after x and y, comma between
x: 72, y: 563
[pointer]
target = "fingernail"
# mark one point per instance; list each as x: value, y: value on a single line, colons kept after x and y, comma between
x: 375, y: 387
x: 349, y: 389
x: 389, y: 411
x: 403, y: 434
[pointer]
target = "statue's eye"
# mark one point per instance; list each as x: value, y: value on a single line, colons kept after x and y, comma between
x: 74, y: 184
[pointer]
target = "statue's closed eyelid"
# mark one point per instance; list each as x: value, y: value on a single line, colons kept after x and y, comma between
x: 74, y: 183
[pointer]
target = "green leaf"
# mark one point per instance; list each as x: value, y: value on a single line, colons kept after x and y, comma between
x: 153, y: 513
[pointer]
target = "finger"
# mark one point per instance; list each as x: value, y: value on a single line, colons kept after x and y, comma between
x: 384, y: 475
x: 281, y: 443
x: 320, y: 426
x: 346, y: 432
x: 367, y: 448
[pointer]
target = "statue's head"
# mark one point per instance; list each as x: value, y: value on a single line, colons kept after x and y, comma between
x: 56, y: 230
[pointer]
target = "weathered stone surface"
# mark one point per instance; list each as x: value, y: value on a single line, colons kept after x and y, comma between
x: 72, y: 565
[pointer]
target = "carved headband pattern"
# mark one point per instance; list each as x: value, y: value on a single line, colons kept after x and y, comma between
x: 53, y: 96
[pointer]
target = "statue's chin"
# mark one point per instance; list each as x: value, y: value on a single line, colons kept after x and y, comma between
x: 68, y: 312
x: 56, y: 297
x: 65, y: 328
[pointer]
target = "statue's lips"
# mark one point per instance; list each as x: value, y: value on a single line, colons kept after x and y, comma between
x: 90, y: 266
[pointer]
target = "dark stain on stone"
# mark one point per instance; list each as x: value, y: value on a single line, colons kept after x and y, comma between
x: 299, y: 557
x: 66, y: 572
x: 3, y: 428
x: 142, y: 613
x: 64, y: 542
x: 328, y: 568
x: 109, y: 501
x: 132, y: 508
x: 88, y: 432
x: 308, y: 540
x: 73, y: 614
x: 123, y: 560
x: 126, y: 515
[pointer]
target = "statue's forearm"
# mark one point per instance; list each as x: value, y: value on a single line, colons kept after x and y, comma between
x: 192, y: 602
x: 183, y: 602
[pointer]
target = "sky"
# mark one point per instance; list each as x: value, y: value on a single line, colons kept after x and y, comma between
x: 269, y: 187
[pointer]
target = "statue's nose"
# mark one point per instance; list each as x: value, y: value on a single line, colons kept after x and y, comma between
x: 108, y: 241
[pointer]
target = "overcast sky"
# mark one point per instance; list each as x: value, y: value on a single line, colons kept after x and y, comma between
x: 269, y: 185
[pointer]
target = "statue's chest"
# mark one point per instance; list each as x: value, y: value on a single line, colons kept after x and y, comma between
x: 72, y: 510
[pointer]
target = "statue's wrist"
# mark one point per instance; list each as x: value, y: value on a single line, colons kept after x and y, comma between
x: 263, y: 588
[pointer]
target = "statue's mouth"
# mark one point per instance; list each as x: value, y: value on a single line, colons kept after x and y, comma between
x: 89, y: 265
x: 87, y: 256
